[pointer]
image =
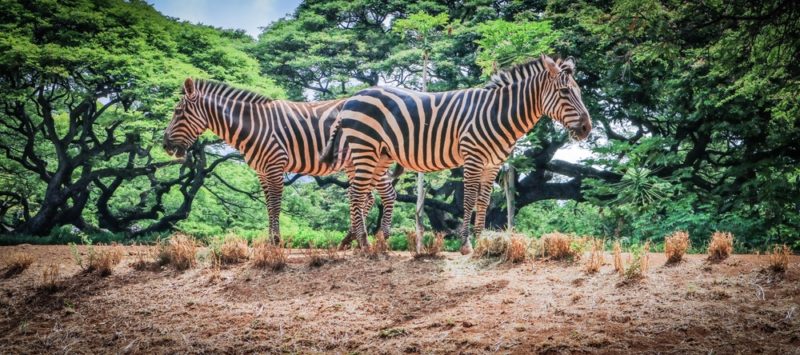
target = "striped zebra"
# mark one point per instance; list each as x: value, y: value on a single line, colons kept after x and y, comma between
x: 476, y: 128
x: 274, y: 136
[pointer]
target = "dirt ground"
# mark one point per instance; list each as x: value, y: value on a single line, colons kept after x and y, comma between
x: 398, y: 304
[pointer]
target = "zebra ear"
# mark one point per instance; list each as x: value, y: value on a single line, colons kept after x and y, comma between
x: 550, y: 65
x: 569, y: 65
x: 188, y: 87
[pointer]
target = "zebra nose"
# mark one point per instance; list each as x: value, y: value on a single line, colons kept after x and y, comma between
x: 586, y: 126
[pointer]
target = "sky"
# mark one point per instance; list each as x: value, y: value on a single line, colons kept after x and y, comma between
x: 248, y: 15
x: 251, y: 15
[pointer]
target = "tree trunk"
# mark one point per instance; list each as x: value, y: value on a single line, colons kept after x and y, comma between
x: 509, y: 186
x: 421, y: 176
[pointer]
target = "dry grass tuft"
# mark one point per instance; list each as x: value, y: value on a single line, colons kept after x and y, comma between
x: 618, y: 267
x: 50, y: 276
x: 380, y: 246
x: 435, y: 246
x: 558, y: 246
x: 17, y: 263
x: 779, y: 258
x: 411, y: 241
x: 149, y: 258
x: 720, y: 247
x: 105, y: 260
x: 233, y: 250
x: 517, y: 249
x: 333, y: 255
x: 269, y: 256
x: 644, y: 259
x: 314, y: 256
x: 676, y: 245
x: 596, y: 257
x: 639, y: 264
x: 181, y: 251
x: 490, y: 244
x: 512, y: 247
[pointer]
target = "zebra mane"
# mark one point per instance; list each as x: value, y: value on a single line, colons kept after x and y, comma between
x: 208, y: 86
x: 511, y: 75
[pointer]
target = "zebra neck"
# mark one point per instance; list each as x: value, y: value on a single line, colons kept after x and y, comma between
x: 514, y: 110
x: 231, y: 117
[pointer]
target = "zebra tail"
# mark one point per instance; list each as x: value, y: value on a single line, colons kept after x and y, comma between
x: 328, y: 154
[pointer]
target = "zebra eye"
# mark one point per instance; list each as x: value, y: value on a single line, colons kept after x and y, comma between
x: 564, y: 91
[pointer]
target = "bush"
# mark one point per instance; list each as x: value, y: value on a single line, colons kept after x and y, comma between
x: 17, y: 263
x: 379, y: 245
x: 559, y: 246
x: 50, y: 276
x: 267, y: 255
x: 490, y: 244
x: 104, y: 261
x: 596, y: 257
x: 233, y: 250
x: 181, y: 251
x: 720, y: 247
x: 639, y: 263
x: 618, y: 267
x: 147, y: 259
x: 675, y: 246
x: 517, y: 249
x: 513, y: 247
x: 779, y: 258
x: 314, y: 256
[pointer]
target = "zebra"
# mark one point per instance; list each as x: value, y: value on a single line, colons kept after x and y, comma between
x: 475, y: 128
x: 274, y: 136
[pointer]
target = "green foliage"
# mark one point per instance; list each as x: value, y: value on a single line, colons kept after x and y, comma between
x: 694, y: 106
x: 503, y: 43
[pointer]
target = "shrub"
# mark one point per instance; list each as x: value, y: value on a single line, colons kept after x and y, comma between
x: 510, y: 246
x: 491, y: 244
x: 104, y: 261
x: 720, y: 247
x: 559, y: 246
x: 50, y: 276
x: 379, y: 246
x: 596, y: 258
x: 332, y: 254
x: 149, y: 258
x: 676, y: 245
x: 434, y: 245
x: 517, y: 249
x: 17, y: 263
x: 268, y: 255
x: 233, y: 250
x: 639, y: 263
x: 779, y: 258
x: 180, y: 252
x: 411, y: 241
x: 314, y: 256
x: 618, y: 267
x: 90, y: 252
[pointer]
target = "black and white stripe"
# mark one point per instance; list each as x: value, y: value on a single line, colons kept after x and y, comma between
x: 476, y: 128
x: 274, y: 136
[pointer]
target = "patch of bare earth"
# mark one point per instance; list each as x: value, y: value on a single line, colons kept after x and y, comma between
x: 402, y: 305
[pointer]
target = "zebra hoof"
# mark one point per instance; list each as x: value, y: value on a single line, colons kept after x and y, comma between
x: 466, y: 249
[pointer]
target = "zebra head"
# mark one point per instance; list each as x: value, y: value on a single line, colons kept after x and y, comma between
x: 187, y: 123
x: 561, y: 98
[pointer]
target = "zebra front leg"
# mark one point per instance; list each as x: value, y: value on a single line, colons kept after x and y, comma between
x: 471, y: 188
x: 484, y: 197
x: 274, y: 181
x: 262, y: 179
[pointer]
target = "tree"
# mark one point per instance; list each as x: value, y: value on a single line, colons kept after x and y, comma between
x: 421, y: 30
x: 85, y: 90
